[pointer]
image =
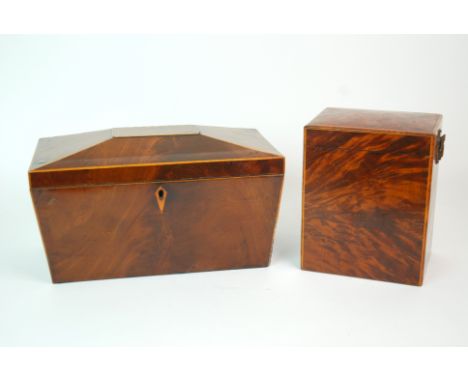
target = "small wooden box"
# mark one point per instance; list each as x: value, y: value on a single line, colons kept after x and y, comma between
x: 146, y: 201
x: 369, y: 192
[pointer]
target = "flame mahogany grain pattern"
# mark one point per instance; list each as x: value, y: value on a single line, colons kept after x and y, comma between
x: 367, y: 193
x: 136, y: 205
x: 119, y: 231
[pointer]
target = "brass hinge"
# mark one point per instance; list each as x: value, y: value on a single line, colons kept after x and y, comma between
x: 439, y: 149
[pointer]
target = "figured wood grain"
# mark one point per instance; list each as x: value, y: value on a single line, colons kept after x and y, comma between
x: 157, y: 172
x: 366, y: 201
x: 149, y: 144
x: 154, y: 149
x: 399, y: 122
x: 150, y: 201
x: 129, y: 155
x: 430, y: 212
x: 119, y: 231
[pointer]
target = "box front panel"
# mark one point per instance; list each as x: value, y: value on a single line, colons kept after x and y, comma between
x: 364, y: 204
x: 157, y: 228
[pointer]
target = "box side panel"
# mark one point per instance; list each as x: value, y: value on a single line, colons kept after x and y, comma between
x: 124, y: 230
x: 432, y: 191
x: 364, y: 209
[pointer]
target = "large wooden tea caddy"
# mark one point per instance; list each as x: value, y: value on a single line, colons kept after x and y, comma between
x: 155, y: 200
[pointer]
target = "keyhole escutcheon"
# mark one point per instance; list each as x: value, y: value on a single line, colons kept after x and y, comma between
x: 161, y: 196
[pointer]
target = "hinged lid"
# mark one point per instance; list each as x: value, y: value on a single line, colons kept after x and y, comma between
x: 377, y: 121
x: 377, y: 132
x: 150, y: 154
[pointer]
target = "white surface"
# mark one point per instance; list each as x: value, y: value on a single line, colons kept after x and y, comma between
x: 227, y: 16
x: 61, y: 85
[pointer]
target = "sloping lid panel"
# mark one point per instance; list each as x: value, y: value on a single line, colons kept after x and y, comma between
x: 249, y: 138
x: 124, y: 151
x: 152, y: 154
x: 50, y: 150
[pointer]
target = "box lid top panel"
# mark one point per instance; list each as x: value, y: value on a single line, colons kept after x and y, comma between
x: 126, y: 148
x: 149, y: 145
x: 377, y: 121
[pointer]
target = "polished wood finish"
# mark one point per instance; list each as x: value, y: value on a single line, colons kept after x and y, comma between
x: 154, y: 149
x: 158, y: 172
x: 368, y: 188
x: 377, y: 120
x: 148, y: 146
x: 134, y: 204
x: 150, y: 154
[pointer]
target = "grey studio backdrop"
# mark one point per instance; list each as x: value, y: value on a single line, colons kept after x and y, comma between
x: 53, y: 85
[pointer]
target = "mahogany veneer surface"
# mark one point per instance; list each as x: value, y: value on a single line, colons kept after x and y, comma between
x: 155, y: 200
x: 368, y: 191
